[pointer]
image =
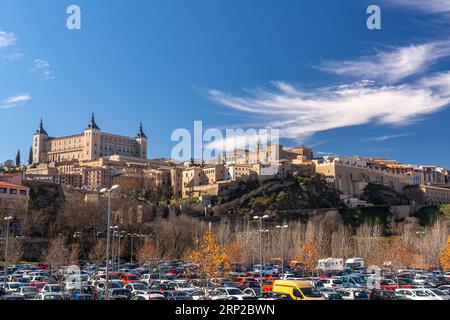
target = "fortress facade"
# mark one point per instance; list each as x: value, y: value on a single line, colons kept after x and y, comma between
x: 91, y: 144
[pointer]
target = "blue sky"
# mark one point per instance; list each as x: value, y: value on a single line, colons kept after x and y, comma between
x: 309, y: 68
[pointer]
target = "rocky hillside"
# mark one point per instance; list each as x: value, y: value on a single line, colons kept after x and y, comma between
x: 45, y: 195
x: 382, y: 195
x: 309, y: 192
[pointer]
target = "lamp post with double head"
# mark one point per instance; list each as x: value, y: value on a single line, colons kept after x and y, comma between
x: 281, y: 228
x: 108, y: 192
x: 5, y: 273
x: 260, y: 230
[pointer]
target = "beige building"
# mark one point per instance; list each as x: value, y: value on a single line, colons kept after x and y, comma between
x: 269, y: 154
x: 89, y: 145
x: 429, y: 195
x: 351, y: 175
x: 200, y: 176
x: 435, y: 195
x: 13, y: 192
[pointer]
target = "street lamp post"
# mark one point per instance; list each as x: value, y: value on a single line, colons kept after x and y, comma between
x: 118, y: 249
x: 282, y: 246
x: 132, y: 240
x: 108, y: 236
x: 5, y: 274
x: 260, y: 219
x: 114, y: 233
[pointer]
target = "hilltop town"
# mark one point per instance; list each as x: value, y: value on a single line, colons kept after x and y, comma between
x: 91, y: 160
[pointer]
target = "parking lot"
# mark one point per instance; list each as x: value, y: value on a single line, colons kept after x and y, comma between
x: 177, y: 280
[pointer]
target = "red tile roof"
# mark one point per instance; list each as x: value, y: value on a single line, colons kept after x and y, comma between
x: 10, y: 185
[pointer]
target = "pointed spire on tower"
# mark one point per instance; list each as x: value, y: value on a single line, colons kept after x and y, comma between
x: 41, y: 128
x: 141, y: 133
x: 92, y: 124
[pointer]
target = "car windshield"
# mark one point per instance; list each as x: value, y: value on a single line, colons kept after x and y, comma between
x: 14, y: 285
x: 132, y: 277
x: 120, y: 292
x: 438, y: 292
x: 184, y: 285
x: 29, y: 289
x: 360, y: 294
x: 234, y: 291
x: 140, y: 286
x: 55, y: 288
x: 311, y: 292
x: 420, y: 293
x: 53, y: 297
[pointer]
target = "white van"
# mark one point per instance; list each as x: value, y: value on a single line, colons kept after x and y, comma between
x: 330, y: 264
x: 354, y: 263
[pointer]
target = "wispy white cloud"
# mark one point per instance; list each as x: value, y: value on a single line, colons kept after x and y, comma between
x: 388, y: 137
x: 299, y: 114
x: 7, y: 39
x: 8, y: 49
x: 391, y: 66
x: 43, y: 67
x: 427, y: 6
x: 14, y: 101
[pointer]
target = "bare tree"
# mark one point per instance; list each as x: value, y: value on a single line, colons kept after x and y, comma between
x: 57, y: 254
x: 15, y: 251
x: 341, y: 242
x: 98, y: 252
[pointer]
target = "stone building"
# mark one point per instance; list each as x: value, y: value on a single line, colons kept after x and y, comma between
x: 91, y: 144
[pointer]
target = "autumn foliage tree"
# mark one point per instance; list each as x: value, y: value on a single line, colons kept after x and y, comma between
x: 146, y: 253
x: 234, y: 251
x: 444, y: 256
x: 210, y: 256
x: 308, y: 256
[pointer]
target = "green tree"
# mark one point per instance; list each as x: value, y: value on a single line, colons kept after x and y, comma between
x: 30, y: 156
x: 18, y: 158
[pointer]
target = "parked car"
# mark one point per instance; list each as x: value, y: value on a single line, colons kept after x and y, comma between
x: 115, y: 294
x: 28, y: 292
x: 149, y: 296
x: 129, y: 278
x: 269, y: 295
x: 298, y: 290
x: 415, y: 294
x: 48, y: 296
x: 353, y: 294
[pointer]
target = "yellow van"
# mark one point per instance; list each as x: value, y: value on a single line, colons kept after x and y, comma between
x: 298, y: 290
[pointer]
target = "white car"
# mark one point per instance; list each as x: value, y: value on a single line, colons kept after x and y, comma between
x: 415, y: 294
x: 181, y: 286
x: 52, y: 288
x: 228, y: 292
x: 48, y: 296
x: 149, y: 296
x: 331, y: 283
x: 438, y: 294
x: 353, y: 294
x: 419, y: 279
x: 13, y: 286
x: 137, y: 288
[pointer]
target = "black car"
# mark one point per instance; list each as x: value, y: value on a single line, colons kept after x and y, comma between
x: 382, y: 294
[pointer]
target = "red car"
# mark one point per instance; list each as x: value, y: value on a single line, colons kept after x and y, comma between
x: 240, y: 280
x: 388, y: 284
x: 129, y: 278
x: 39, y: 285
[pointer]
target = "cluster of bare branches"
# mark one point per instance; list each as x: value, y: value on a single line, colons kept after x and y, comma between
x: 406, y: 244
